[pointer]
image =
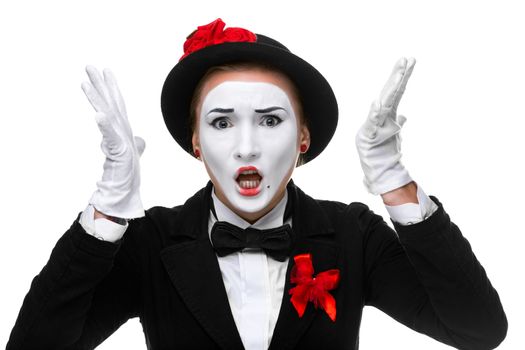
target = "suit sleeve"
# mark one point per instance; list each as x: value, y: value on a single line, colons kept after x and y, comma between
x: 427, y: 277
x: 87, y: 289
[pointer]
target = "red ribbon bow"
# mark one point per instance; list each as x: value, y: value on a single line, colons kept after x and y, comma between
x: 213, y: 34
x: 314, y: 289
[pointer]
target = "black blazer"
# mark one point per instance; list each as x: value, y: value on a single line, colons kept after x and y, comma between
x: 165, y: 271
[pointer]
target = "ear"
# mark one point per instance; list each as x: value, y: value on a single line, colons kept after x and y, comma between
x: 195, y: 142
x: 305, y: 136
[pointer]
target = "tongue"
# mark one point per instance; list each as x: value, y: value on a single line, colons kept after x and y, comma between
x: 250, y: 177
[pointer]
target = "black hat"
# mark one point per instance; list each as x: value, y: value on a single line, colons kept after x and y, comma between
x: 211, y: 45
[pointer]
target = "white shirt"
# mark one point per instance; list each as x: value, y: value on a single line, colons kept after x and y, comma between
x: 254, y: 282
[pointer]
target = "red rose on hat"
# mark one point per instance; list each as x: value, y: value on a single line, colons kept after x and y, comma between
x: 238, y: 34
x: 213, y: 34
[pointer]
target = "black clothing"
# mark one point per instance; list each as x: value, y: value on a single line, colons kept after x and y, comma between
x: 227, y: 238
x: 165, y: 271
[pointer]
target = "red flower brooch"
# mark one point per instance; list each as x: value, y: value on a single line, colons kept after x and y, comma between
x: 213, y: 34
x: 314, y: 289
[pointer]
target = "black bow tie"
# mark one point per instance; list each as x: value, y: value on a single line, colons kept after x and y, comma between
x: 275, y: 242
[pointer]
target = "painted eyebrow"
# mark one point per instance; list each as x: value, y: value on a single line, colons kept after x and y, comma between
x: 221, y: 110
x: 268, y: 110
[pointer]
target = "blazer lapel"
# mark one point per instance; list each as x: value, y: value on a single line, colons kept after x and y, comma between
x: 193, y: 268
x: 313, y: 234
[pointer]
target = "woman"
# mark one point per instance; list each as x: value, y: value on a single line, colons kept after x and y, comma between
x: 250, y: 261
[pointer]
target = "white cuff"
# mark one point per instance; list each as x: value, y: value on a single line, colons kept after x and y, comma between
x: 101, y: 228
x: 412, y: 213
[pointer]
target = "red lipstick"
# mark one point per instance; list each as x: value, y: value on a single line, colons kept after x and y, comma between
x: 253, y: 178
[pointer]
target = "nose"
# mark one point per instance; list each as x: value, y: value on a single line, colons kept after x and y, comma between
x: 247, y: 145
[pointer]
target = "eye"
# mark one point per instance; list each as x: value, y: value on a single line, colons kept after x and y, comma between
x: 271, y: 120
x: 221, y: 123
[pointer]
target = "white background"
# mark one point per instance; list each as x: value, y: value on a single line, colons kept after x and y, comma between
x: 462, y: 141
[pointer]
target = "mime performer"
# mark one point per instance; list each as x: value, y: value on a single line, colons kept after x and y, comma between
x: 251, y: 261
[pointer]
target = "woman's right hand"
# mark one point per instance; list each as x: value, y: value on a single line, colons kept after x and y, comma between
x: 118, y: 193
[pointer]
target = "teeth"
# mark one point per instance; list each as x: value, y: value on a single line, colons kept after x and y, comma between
x: 249, y: 184
x: 249, y: 172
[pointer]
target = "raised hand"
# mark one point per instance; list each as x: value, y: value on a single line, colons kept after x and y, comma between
x: 378, y: 141
x: 118, y: 192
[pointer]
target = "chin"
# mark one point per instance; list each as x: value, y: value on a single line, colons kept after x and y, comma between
x: 252, y: 204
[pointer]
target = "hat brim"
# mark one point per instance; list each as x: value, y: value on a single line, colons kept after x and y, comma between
x: 318, y: 100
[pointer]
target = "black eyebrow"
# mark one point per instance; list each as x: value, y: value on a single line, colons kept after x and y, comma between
x: 222, y: 110
x: 268, y: 110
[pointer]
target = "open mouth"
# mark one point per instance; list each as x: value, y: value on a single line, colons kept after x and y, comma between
x: 249, y: 180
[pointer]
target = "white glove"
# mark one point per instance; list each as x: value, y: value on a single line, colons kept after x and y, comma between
x: 118, y: 192
x: 378, y: 140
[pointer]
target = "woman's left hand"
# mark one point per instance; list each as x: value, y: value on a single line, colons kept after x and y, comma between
x: 378, y: 140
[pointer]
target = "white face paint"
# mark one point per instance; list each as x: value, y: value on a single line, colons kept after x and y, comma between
x: 250, y: 127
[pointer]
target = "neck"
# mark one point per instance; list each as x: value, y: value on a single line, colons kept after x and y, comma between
x: 252, y: 217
